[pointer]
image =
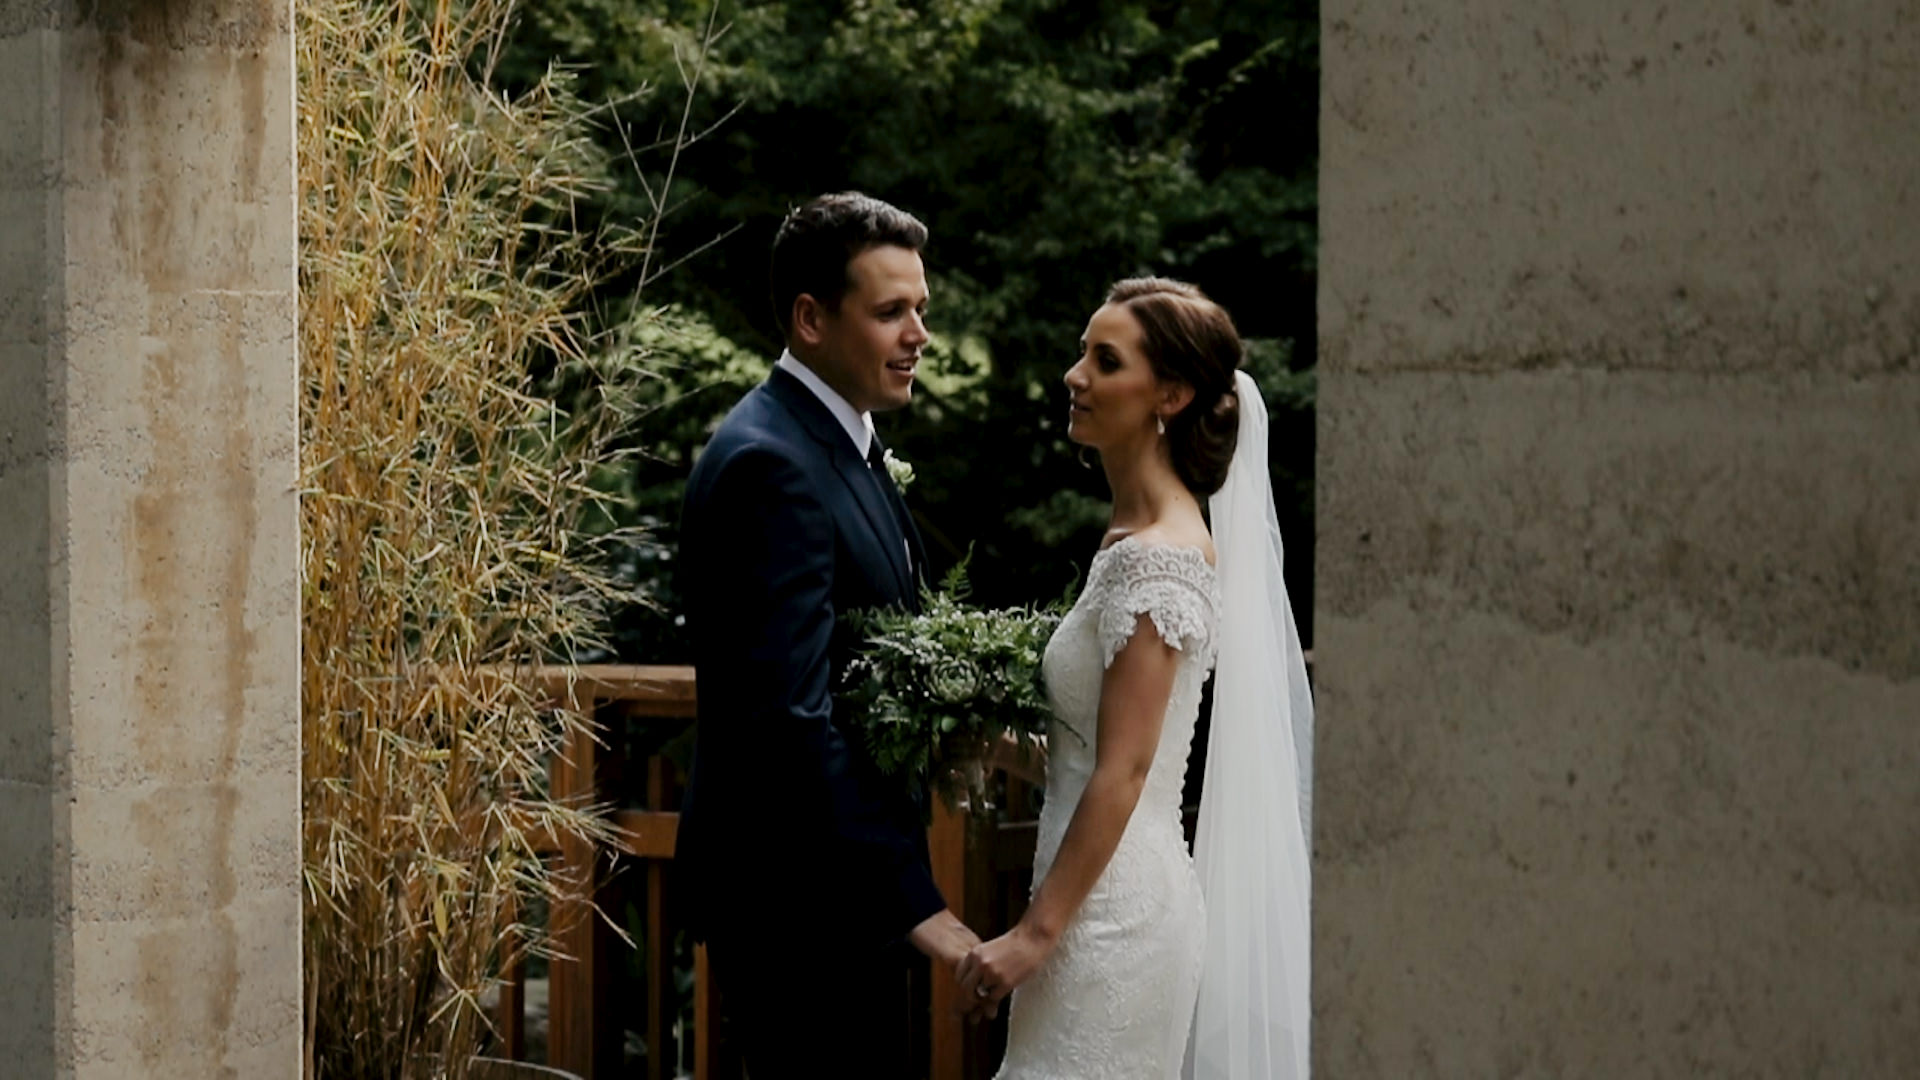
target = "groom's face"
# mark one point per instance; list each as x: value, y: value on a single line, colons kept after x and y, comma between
x: 869, y: 348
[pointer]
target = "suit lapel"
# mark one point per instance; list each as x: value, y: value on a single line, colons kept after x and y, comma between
x: 852, y: 469
x: 917, y: 564
x: 873, y: 503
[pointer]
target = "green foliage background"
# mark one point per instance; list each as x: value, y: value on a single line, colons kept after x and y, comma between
x: 1051, y: 147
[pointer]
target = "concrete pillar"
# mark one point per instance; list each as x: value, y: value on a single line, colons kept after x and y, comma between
x: 149, y: 664
x: 1618, y: 569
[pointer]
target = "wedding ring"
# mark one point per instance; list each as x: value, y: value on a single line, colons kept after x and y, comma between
x: 981, y: 991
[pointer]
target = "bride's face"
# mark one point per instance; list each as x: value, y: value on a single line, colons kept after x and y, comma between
x: 1114, y: 392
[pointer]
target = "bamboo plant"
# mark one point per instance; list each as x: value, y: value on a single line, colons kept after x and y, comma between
x: 445, y: 487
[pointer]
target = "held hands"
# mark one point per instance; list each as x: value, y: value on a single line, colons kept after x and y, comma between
x: 986, y: 973
x: 992, y: 970
x: 947, y: 940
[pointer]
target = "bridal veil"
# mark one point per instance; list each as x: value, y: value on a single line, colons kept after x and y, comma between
x: 1251, y: 849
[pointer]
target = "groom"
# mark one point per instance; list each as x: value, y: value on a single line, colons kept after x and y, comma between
x: 806, y: 871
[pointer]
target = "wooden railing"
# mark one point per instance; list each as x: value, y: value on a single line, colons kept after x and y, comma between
x: 982, y: 865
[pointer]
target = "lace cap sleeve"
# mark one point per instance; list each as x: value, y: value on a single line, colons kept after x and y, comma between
x: 1173, y: 586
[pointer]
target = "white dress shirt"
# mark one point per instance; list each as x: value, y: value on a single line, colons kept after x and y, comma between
x: 858, y: 425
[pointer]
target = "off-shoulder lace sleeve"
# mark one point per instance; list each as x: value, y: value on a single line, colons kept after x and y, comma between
x: 1173, y: 586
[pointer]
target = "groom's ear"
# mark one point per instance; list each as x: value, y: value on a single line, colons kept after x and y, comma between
x: 808, y: 316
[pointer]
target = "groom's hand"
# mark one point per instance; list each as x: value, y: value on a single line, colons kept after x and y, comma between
x: 947, y: 940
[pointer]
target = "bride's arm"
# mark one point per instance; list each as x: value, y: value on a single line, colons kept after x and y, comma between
x: 1133, y: 707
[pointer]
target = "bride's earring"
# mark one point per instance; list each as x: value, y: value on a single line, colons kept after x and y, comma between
x: 1160, y: 424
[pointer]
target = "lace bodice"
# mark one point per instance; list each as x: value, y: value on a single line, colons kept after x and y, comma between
x: 1114, y: 1000
x: 1176, y: 589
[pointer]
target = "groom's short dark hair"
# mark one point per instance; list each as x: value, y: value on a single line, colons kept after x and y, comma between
x: 817, y: 241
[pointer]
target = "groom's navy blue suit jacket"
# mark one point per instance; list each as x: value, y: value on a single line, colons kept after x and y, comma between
x: 788, y: 830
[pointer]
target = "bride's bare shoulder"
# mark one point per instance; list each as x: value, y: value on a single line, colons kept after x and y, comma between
x: 1176, y: 533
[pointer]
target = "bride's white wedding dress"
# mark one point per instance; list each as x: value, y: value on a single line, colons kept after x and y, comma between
x: 1116, y: 998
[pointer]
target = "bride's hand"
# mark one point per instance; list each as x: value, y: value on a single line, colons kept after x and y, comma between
x: 993, y: 969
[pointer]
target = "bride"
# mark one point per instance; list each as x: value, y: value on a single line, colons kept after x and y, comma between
x: 1135, y: 959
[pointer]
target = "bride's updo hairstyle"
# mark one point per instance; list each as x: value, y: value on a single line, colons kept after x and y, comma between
x: 1190, y: 339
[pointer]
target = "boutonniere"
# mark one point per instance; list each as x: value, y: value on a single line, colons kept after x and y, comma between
x: 899, y: 470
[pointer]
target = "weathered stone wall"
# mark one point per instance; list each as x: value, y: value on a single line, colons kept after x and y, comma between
x: 32, y: 815
x: 1618, y: 612
x: 149, y: 796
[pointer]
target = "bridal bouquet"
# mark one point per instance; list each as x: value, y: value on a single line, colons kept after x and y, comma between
x: 933, y: 691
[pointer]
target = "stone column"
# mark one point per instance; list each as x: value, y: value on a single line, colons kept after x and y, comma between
x: 1618, y: 578
x: 149, y: 663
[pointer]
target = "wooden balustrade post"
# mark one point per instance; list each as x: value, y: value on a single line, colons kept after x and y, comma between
x: 963, y: 871
x: 706, y: 1015
x: 577, y: 1038
x: 510, y: 1011
x: 661, y: 1001
x: 947, y: 846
